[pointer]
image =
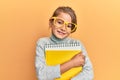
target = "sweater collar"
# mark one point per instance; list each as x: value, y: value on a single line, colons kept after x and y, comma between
x: 57, y: 40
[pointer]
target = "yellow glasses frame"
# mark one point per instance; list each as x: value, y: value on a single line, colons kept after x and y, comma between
x: 65, y: 23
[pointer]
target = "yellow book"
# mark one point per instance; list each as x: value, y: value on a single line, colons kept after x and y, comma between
x: 60, y: 53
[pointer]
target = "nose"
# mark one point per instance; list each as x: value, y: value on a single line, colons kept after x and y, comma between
x: 63, y: 28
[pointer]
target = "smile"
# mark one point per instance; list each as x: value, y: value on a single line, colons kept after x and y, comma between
x: 61, y: 33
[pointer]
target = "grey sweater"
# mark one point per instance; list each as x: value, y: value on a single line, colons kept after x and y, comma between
x: 45, y: 72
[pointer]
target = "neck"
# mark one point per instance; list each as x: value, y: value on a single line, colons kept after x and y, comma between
x: 57, y: 40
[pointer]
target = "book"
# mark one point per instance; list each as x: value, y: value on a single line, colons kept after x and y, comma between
x: 60, y: 53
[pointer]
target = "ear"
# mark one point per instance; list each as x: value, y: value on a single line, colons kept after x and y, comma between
x: 50, y: 23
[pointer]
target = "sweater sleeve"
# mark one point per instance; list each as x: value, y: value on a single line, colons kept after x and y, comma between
x: 44, y: 72
x: 87, y: 72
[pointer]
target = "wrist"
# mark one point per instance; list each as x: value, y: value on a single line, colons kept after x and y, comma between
x: 66, y: 66
x: 71, y: 62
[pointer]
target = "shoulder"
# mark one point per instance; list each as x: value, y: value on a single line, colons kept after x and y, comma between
x: 42, y: 40
x: 77, y: 41
x: 73, y: 40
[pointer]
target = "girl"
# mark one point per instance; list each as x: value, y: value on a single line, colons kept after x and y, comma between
x: 62, y: 23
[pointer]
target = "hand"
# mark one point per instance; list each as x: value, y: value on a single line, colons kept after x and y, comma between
x: 78, y: 60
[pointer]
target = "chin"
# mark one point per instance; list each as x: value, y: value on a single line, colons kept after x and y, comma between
x: 61, y: 37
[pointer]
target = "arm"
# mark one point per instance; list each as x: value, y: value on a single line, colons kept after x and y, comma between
x: 76, y: 61
x: 87, y: 72
x: 44, y: 72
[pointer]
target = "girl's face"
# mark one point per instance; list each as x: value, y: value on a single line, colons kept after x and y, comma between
x: 61, y: 32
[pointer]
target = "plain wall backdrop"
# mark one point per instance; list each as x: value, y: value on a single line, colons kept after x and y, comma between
x: 23, y: 22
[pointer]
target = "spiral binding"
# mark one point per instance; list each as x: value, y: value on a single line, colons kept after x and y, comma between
x: 62, y: 45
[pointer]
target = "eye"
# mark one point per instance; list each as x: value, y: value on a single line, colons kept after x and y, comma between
x: 59, y: 21
x: 69, y: 25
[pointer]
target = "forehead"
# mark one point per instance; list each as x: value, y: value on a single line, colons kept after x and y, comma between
x: 65, y: 17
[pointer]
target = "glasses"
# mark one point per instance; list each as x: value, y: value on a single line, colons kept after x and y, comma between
x: 58, y: 22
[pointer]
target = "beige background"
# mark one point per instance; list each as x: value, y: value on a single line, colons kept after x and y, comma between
x: 23, y: 22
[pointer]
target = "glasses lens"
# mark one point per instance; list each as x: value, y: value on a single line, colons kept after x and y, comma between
x: 71, y: 26
x: 59, y: 22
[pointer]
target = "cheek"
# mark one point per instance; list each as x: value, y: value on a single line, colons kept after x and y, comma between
x: 68, y: 34
x: 53, y: 29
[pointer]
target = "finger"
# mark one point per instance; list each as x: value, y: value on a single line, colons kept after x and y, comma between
x: 83, y: 57
x: 83, y: 63
x: 80, y: 52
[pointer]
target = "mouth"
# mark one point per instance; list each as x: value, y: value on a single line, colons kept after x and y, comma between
x: 61, y: 32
